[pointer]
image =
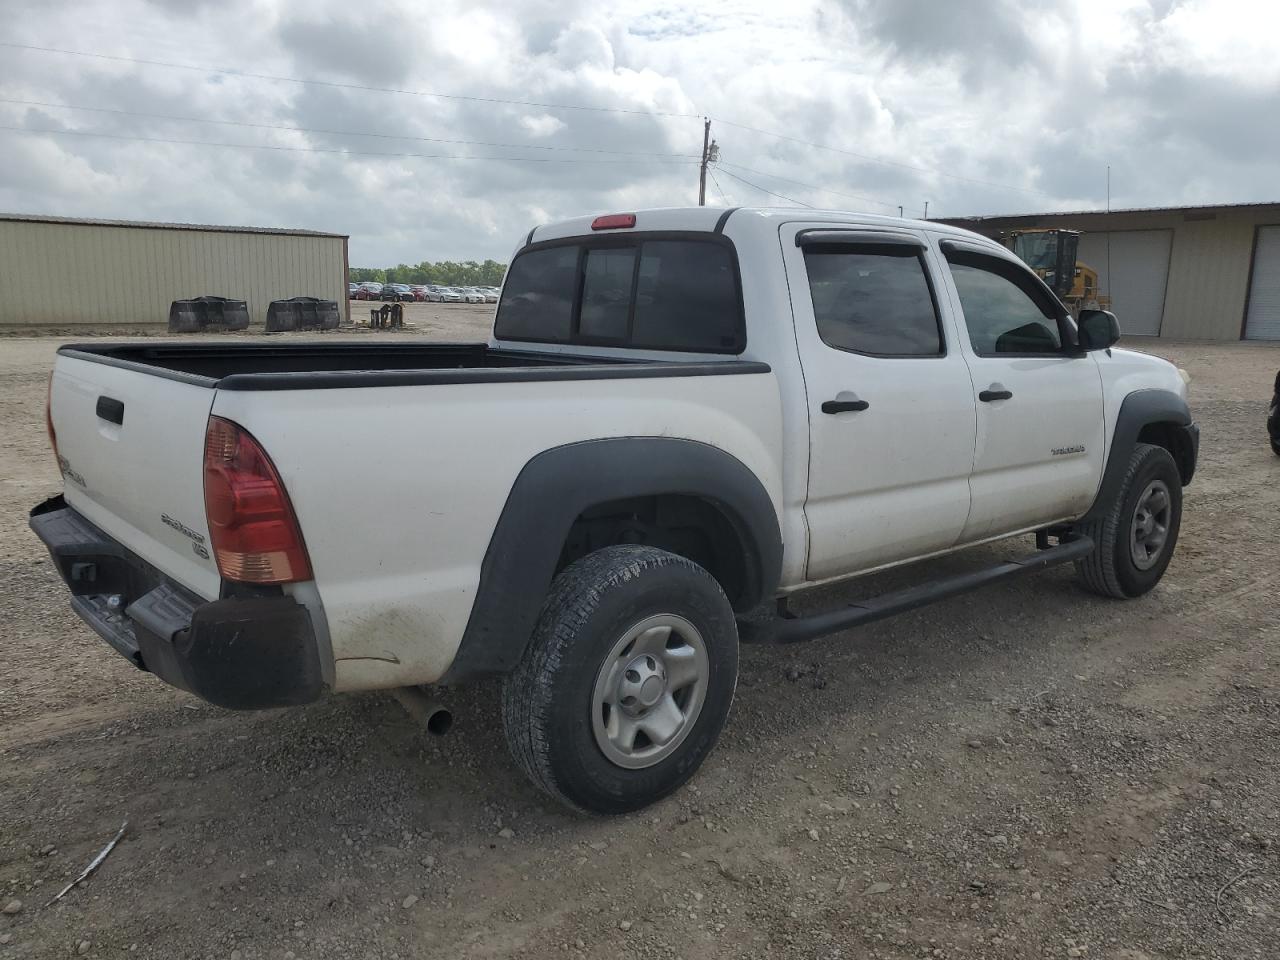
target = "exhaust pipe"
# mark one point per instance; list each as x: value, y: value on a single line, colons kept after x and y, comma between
x: 427, y: 711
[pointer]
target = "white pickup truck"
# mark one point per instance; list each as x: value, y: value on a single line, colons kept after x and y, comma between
x: 683, y: 418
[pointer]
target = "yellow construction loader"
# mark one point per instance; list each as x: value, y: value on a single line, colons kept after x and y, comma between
x: 1052, y: 255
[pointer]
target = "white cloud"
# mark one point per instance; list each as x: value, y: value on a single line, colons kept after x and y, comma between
x: 542, y: 125
x: 989, y: 106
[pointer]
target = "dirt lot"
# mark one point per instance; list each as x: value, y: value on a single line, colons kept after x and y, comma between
x: 1024, y: 772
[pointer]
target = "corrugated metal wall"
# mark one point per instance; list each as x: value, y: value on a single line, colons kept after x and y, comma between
x: 1208, y: 266
x: 60, y: 274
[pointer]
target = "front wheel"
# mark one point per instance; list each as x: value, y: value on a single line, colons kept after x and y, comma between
x: 1136, y: 537
x: 627, y: 681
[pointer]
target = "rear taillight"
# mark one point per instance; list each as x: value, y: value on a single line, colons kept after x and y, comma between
x: 48, y: 418
x: 255, y: 534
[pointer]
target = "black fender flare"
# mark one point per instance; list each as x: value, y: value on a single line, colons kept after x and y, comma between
x: 556, y: 486
x: 1138, y: 410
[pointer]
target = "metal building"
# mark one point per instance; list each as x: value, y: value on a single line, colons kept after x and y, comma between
x: 57, y: 271
x: 1187, y: 273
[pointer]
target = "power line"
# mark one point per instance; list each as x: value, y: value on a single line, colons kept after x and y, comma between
x: 888, y: 163
x: 339, y: 133
x: 810, y: 186
x: 719, y: 189
x: 345, y: 153
x: 513, y: 102
x: 756, y: 186
x: 343, y: 85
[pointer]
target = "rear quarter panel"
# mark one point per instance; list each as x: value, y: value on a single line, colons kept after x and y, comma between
x: 398, y: 489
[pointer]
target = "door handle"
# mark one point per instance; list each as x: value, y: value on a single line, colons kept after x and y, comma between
x: 111, y: 410
x: 844, y: 406
x: 995, y: 392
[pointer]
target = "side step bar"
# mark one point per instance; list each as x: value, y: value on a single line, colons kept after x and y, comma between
x: 796, y: 629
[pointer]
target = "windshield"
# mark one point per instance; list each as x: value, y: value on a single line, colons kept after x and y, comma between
x: 1039, y: 251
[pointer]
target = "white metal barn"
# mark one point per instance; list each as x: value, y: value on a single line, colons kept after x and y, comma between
x: 1187, y: 273
x: 60, y: 272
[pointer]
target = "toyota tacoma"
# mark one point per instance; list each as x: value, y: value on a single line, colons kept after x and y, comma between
x: 683, y: 418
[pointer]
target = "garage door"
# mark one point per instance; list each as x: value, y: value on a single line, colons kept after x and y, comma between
x: 1139, y: 271
x: 1262, y: 322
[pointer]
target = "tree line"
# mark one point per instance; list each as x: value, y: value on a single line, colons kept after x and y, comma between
x: 446, y: 273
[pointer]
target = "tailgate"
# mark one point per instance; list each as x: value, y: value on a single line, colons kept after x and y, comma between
x: 131, y: 448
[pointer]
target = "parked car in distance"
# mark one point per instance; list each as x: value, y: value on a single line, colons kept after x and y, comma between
x: 391, y: 292
x: 657, y: 468
x: 369, y: 290
x: 351, y: 290
x: 433, y: 293
x: 419, y: 292
x: 472, y: 294
x: 450, y: 295
x: 490, y: 294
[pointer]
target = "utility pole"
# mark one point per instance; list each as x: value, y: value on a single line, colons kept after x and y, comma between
x: 899, y: 209
x: 1108, y: 230
x: 926, y: 210
x: 706, y: 157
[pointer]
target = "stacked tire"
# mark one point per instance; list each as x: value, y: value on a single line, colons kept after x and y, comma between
x: 208, y: 314
x: 302, y: 313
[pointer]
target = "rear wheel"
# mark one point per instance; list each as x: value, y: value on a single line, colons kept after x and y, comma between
x: 1135, y: 539
x: 627, y: 681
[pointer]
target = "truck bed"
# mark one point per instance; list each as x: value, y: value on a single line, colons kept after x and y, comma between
x: 316, y: 366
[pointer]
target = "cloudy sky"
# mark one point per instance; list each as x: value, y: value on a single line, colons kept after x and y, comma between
x: 361, y: 115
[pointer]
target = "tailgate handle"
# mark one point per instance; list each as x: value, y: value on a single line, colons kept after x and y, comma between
x: 111, y: 410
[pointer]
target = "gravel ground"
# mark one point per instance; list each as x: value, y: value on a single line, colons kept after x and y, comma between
x: 1028, y: 771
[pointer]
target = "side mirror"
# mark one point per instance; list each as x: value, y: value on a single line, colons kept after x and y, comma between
x: 1098, y: 329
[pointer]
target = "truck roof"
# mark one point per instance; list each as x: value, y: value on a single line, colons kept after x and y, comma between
x: 764, y: 219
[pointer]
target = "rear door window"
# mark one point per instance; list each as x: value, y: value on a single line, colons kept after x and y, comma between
x: 653, y: 292
x: 873, y: 299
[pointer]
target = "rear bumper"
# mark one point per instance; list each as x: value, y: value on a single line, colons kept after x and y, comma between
x: 243, y: 653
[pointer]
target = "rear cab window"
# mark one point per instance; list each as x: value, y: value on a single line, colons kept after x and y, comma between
x: 655, y: 291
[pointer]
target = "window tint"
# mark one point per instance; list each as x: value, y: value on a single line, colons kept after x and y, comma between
x: 873, y: 300
x: 687, y: 297
x: 656, y: 294
x: 606, y: 293
x: 537, y: 300
x: 1001, y: 314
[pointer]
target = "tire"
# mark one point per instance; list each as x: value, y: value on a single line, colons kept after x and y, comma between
x: 581, y: 665
x: 1124, y: 565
